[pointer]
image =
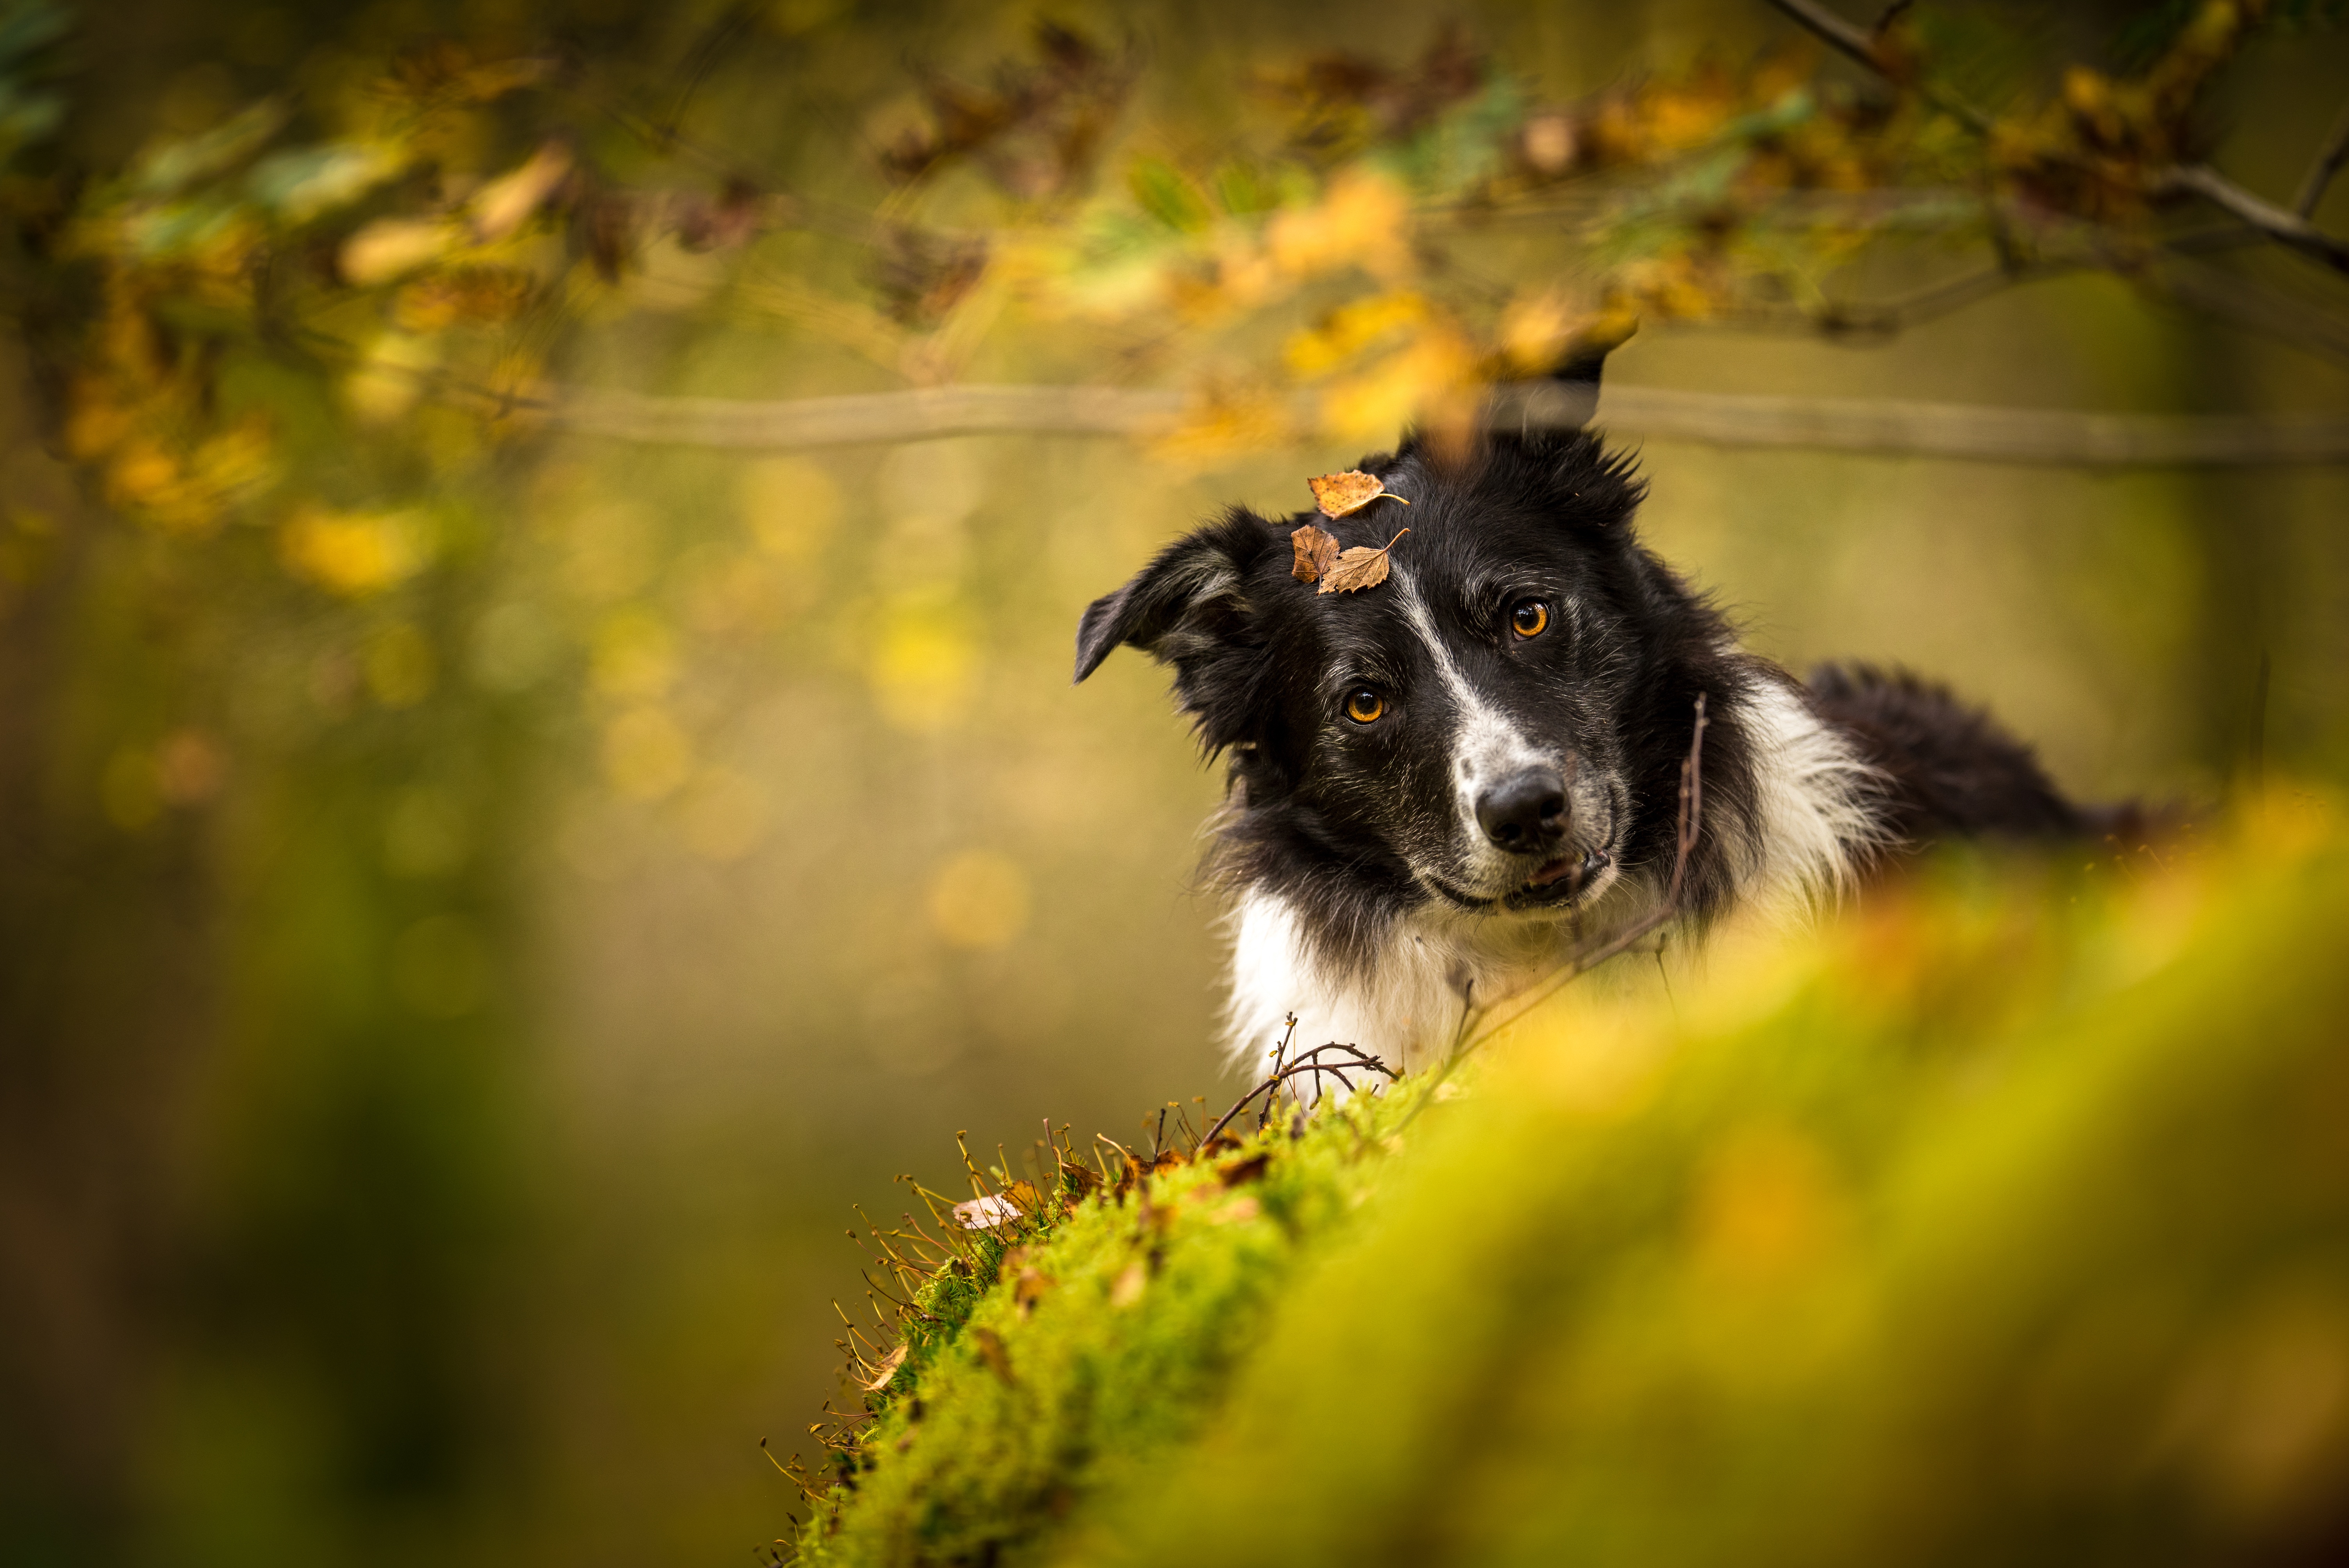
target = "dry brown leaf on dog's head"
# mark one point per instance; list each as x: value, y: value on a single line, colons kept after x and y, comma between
x: 1359, y: 568
x: 1317, y: 551
x: 1339, y: 494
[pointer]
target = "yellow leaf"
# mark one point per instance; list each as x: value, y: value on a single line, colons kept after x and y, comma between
x: 391, y: 247
x: 1359, y: 568
x: 1340, y: 495
x: 505, y: 203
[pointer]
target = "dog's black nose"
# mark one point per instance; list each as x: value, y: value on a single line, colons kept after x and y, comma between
x: 1525, y: 812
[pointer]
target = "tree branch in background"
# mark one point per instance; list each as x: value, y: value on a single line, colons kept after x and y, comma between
x: 1867, y: 48
x: 2283, y: 227
x: 2062, y: 437
x: 2320, y: 174
x: 2286, y: 227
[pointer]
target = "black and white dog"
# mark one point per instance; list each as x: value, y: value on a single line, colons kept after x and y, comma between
x: 1439, y: 782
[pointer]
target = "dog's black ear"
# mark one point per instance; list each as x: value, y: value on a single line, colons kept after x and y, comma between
x: 1565, y: 398
x: 1181, y: 603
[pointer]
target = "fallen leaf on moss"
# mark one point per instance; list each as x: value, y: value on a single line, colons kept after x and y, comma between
x: 1239, y: 1210
x: 886, y: 1369
x: 1359, y: 568
x: 1339, y: 494
x: 989, y: 1213
x: 991, y: 1351
x: 1240, y: 1172
x: 1317, y: 551
x: 1127, y: 1290
x: 1030, y: 1290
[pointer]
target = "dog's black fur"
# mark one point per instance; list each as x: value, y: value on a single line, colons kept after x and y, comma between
x: 1356, y: 829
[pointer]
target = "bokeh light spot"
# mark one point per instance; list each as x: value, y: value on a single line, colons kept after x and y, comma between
x: 980, y: 899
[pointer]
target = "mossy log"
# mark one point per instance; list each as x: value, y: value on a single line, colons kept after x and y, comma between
x: 2004, y: 1218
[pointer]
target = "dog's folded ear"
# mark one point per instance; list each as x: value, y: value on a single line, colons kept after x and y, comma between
x: 1567, y: 397
x: 1188, y: 601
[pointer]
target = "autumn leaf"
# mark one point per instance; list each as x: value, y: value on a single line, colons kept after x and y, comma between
x: 1128, y: 1287
x: 1028, y: 1289
x: 991, y: 1351
x: 885, y: 1370
x: 1317, y: 551
x: 994, y: 1211
x: 1359, y: 568
x: 1238, y: 1211
x: 1240, y: 1172
x: 1338, y: 495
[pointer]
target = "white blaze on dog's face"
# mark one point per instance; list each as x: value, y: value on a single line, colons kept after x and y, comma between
x: 1522, y: 789
x: 1496, y: 728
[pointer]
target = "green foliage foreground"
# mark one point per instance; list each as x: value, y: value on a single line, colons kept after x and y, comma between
x: 2006, y: 1220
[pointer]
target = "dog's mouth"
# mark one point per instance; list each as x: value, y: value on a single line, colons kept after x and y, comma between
x: 1562, y: 880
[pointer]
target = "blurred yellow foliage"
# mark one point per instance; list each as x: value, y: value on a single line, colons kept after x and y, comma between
x: 355, y: 554
x: 635, y: 656
x: 1363, y: 219
x: 647, y: 754
x: 791, y: 505
x: 925, y: 666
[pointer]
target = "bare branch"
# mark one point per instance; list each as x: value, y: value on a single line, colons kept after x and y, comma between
x: 2285, y: 228
x: 2328, y: 163
x: 2053, y: 436
x: 1818, y: 19
x: 1845, y: 38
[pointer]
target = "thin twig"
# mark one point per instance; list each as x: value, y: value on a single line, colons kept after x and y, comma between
x: 2284, y: 227
x: 2328, y: 163
x: 1861, y: 47
x: 1305, y: 1063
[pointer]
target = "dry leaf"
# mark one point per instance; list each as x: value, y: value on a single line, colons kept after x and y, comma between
x: 1030, y: 1290
x: 1317, y: 551
x: 1339, y: 494
x: 1245, y: 1170
x: 1359, y: 568
x: 991, y: 1351
x: 886, y: 1369
x: 1129, y: 1285
x: 986, y: 1214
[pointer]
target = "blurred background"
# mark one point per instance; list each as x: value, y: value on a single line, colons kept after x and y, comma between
x: 492, y: 868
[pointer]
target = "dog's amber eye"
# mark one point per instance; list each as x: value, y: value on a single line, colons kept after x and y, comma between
x: 1530, y: 619
x: 1365, y: 706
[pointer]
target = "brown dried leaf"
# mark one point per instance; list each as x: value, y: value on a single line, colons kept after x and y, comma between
x: 987, y: 1213
x: 1129, y: 1285
x: 1238, y: 1211
x: 1030, y: 1289
x: 885, y: 1370
x: 1359, y: 568
x: 991, y: 1351
x: 1338, y: 495
x: 1240, y: 1172
x: 1317, y: 551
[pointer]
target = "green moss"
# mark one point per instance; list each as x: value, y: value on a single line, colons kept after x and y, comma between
x: 2005, y: 1221
x: 1140, y: 1304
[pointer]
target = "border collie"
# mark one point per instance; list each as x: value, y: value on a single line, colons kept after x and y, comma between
x: 1441, y: 783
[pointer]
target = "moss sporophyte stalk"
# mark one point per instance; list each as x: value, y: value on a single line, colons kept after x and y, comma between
x: 2003, y: 1218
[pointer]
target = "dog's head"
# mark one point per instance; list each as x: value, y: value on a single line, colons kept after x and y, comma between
x: 1498, y: 726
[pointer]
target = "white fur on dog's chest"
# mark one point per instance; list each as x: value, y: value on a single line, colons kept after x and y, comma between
x: 1811, y: 824
x: 1404, y: 1008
